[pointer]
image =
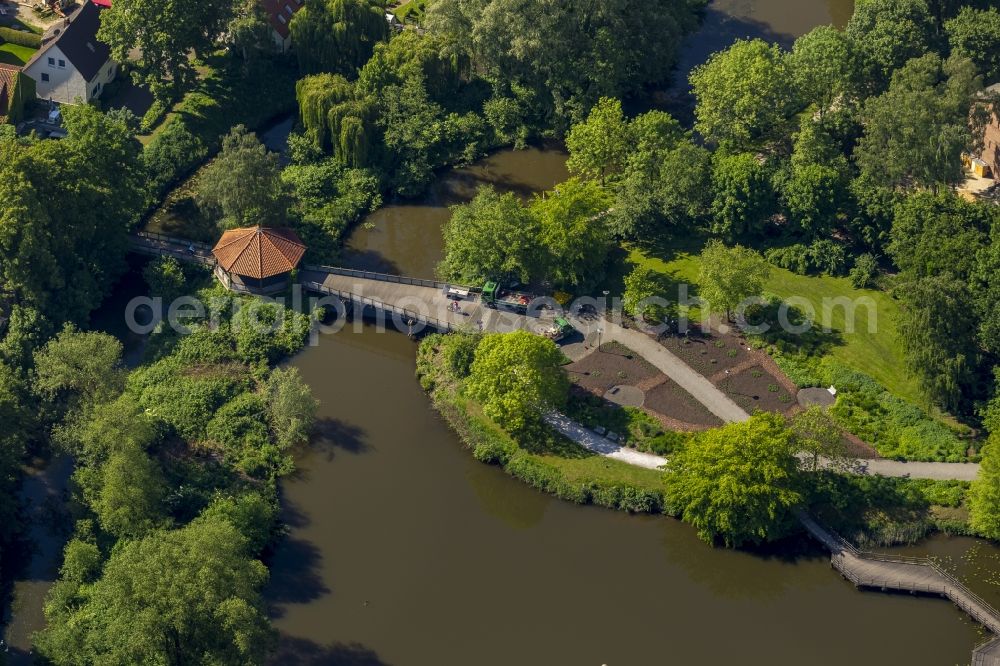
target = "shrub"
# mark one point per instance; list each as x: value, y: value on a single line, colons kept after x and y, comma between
x: 864, y: 272
x: 21, y: 38
x: 822, y: 256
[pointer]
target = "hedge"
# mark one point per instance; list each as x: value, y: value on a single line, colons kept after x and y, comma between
x: 20, y: 38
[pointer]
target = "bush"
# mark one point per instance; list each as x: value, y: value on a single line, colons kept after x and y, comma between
x: 822, y: 256
x: 154, y: 114
x: 29, y: 39
x: 865, y: 271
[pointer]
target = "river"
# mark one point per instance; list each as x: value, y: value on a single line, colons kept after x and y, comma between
x: 403, y: 550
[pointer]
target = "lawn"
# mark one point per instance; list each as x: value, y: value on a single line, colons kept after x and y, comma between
x: 875, y: 353
x: 14, y: 54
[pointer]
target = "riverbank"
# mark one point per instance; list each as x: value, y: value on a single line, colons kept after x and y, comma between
x: 550, y: 462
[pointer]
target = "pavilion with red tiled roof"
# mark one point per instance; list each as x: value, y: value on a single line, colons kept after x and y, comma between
x: 257, y: 260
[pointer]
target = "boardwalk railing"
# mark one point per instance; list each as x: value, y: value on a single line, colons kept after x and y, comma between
x: 439, y: 324
x: 387, y: 277
x: 986, y: 653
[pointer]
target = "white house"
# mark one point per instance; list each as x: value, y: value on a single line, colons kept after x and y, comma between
x: 72, y: 66
x: 279, y: 15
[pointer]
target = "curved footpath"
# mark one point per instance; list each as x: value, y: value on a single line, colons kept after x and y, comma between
x: 915, y: 470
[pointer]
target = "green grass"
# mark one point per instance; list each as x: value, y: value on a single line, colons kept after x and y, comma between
x: 14, y: 54
x: 877, y: 354
x: 599, y: 468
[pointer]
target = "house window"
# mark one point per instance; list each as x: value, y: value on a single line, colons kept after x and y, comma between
x: 52, y: 62
x: 289, y: 10
x: 45, y: 77
x: 282, y: 19
x: 62, y: 63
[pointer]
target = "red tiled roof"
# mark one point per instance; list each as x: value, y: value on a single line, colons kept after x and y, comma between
x: 8, y: 75
x: 283, y: 9
x: 259, y: 252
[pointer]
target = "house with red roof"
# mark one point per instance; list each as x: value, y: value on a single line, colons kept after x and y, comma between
x: 279, y: 15
x: 15, y: 91
x: 257, y: 260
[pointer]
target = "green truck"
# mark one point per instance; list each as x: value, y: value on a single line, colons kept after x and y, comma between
x: 560, y: 329
x: 495, y: 296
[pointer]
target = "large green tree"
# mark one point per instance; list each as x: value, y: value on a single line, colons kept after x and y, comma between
x: 599, y: 146
x: 517, y: 377
x: 744, y: 94
x: 568, y: 54
x: 743, y: 194
x: 158, y: 37
x: 492, y: 237
x: 936, y: 234
x: 984, y: 496
x: 825, y: 67
x: 915, y: 133
x: 243, y: 184
x: 173, y: 597
x: 337, y: 36
x: 79, y: 370
x: 890, y: 32
x: 728, y: 276
x: 937, y: 329
x: 975, y: 34
x: 66, y: 208
x: 573, y: 232
x: 737, y: 484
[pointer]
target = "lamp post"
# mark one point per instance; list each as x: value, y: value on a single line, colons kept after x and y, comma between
x: 599, y: 331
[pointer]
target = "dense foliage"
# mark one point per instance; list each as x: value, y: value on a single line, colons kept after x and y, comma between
x: 738, y: 483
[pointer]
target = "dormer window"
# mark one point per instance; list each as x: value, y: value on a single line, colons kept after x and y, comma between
x: 289, y: 10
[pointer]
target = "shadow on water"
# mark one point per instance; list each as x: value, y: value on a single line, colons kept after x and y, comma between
x: 302, y: 651
x: 333, y: 435
x: 295, y: 575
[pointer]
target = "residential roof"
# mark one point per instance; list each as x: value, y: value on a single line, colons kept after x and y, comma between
x: 259, y: 252
x: 78, y: 42
x: 8, y: 76
x: 279, y: 14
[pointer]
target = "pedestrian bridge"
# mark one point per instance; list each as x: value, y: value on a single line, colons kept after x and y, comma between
x: 409, y: 302
x: 910, y: 574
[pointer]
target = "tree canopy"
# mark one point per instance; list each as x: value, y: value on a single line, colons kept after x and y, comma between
x: 243, y: 184
x: 161, y: 35
x: 492, y: 237
x: 737, y: 484
x: 517, y: 377
x: 728, y: 276
x: 167, y: 598
x: 337, y: 36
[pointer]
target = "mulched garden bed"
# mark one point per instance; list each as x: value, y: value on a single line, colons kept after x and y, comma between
x: 613, y: 364
x: 670, y: 400
x: 708, y: 354
x: 755, y: 388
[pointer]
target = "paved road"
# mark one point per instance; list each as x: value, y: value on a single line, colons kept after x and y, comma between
x: 698, y: 386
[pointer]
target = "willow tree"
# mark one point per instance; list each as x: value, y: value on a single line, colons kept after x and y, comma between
x: 337, y: 35
x: 337, y: 118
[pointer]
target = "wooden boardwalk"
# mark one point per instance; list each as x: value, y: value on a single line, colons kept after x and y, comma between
x: 909, y: 574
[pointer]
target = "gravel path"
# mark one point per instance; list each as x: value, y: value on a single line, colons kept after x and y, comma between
x: 602, y: 445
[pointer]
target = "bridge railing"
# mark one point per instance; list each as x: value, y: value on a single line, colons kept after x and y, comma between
x: 439, y: 324
x: 163, y: 238
x: 954, y: 589
x: 387, y: 277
